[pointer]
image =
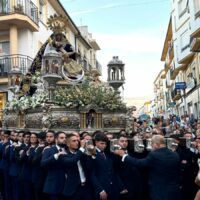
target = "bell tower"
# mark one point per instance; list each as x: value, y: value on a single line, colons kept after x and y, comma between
x: 116, y: 77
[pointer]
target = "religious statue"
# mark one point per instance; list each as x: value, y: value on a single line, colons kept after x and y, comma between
x: 58, y: 42
x: 26, y: 87
x: 91, y: 119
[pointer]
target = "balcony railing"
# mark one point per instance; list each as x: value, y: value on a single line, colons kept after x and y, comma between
x: 26, y: 7
x: 9, y: 62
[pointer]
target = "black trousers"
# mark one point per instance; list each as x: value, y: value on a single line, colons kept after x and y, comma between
x: 82, y: 193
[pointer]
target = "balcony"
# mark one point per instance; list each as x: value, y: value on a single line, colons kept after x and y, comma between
x: 97, y: 70
x: 176, y: 94
x: 23, y: 15
x: 7, y: 63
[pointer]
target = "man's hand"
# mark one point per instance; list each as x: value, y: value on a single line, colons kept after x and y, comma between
x: 120, y: 152
x: 103, y: 195
x: 124, y: 191
x: 61, y: 153
x: 91, y: 149
x: 82, y: 143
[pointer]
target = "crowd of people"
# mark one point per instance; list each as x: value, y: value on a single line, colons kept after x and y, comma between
x: 157, y: 161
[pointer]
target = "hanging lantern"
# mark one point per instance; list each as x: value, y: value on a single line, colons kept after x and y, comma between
x: 51, y: 68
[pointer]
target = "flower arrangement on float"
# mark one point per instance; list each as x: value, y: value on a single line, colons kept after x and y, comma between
x: 72, y: 96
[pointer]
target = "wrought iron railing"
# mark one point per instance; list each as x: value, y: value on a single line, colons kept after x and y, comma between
x: 25, y: 7
x: 10, y: 62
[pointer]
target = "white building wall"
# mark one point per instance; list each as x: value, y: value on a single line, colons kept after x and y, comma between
x: 23, y: 42
x: 194, y: 8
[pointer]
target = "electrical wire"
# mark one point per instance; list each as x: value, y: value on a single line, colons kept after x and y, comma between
x: 117, y: 5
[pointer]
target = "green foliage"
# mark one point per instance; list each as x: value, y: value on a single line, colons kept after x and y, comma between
x: 89, y: 93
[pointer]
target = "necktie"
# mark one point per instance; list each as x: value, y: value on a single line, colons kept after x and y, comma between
x: 103, y: 155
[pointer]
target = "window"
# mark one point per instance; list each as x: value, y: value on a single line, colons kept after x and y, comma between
x: 5, y: 48
x: 4, y: 6
x: 185, y: 40
x: 182, y: 7
x: 196, y: 8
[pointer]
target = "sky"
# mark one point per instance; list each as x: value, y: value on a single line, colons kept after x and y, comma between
x: 133, y: 30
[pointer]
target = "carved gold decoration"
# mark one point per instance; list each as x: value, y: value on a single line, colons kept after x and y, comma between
x: 115, y: 120
x: 64, y: 120
x: 21, y: 120
x: 57, y: 24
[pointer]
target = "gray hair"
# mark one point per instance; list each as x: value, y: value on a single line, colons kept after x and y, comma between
x: 158, y: 139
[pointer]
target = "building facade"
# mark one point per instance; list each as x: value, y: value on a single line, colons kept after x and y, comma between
x: 181, y: 59
x: 24, y: 29
x: 159, y: 103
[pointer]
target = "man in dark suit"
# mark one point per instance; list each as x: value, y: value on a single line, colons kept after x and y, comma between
x: 164, y: 170
x: 189, y: 168
x: 19, y: 157
x: 55, y: 179
x: 129, y: 175
x: 104, y: 177
x: 4, y: 164
x: 26, y: 169
x: 38, y: 173
x: 77, y: 185
x: 14, y: 168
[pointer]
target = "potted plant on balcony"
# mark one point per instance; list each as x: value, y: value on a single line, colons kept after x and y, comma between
x: 18, y: 8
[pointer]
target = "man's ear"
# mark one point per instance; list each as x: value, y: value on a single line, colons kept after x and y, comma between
x: 67, y: 142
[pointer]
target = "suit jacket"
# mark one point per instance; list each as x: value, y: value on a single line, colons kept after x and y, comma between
x: 104, y: 176
x: 130, y: 177
x: 1, y: 150
x: 26, y: 169
x: 55, y: 178
x: 73, y: 181
x: 14, y: 168
x: 164, y: 173
x: 4, y: 163
x: 38, y: 173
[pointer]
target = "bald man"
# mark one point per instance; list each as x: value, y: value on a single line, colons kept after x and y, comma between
x: 164, y: 170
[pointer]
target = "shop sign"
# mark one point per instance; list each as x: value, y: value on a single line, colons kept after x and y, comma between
x: 180, y: 85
